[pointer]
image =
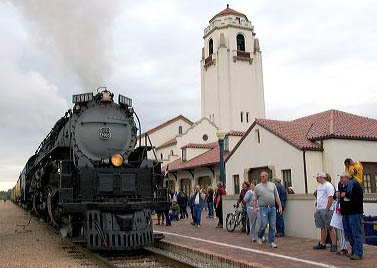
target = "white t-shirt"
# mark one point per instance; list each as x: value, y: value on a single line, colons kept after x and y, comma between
x: 197, y: 201
x: 324, y: 191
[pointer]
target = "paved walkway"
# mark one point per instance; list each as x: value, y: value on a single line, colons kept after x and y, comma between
x: 36, y: 245
x: 291, y: 252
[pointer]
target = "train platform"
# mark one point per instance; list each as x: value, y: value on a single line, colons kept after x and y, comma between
x: 34, y: 244
x: 236, y: 248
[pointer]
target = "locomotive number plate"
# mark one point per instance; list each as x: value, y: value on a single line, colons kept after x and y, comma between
x: 105, y: 133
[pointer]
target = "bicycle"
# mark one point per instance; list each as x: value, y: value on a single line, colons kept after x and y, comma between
x: 235, y: 219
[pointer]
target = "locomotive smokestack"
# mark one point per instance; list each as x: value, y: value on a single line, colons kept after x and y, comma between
x: 75, y: 34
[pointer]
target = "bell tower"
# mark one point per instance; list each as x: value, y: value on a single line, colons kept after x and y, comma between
x: 232, y: 93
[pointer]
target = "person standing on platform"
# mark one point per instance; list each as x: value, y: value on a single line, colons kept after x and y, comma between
x: 245, y: 188
x: 198, y: 205
x: 191, y: 205
x: 266, y: 195
x: 323, y: 213
x: 220, y: 191
x: 182, y: 203
x: 210, y: 193
x: 351, y: 208
x: 248, y: 200
x: 283, y: 199
x: 355, y: 169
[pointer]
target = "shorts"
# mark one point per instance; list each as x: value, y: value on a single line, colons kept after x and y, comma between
x: 322, y: 218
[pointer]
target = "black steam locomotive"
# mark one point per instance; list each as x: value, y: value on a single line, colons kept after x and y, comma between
x: 88, y: 180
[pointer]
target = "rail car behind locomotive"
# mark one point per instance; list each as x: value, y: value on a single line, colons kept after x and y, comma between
x: 88, y: 180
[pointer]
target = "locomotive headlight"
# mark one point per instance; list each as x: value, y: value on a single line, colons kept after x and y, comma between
x: 117, y: 160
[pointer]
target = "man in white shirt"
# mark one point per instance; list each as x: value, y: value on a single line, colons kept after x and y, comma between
x: 198, y: 206
x: 323, y: 214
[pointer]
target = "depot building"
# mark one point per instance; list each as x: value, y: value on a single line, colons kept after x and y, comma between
x: 232, y: 101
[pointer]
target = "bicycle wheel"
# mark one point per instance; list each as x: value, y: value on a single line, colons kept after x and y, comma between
x: 230, y: 222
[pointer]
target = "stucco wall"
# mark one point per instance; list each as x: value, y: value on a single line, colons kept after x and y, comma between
x: 167, y: 133
x: 230, y: 87
x: 313, y: 166
x: 271, y: 151
x: 337, y: 150
x: 195, y: 133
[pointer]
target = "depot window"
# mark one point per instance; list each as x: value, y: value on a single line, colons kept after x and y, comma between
x: 240, y: 42
x: 236, y: 181
x: 184, y: 154
x: 210, y: 46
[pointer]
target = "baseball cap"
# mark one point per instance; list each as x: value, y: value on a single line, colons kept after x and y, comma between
x: 321, y: 174
x: 345, y: 174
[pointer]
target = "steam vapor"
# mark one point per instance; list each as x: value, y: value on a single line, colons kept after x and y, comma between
x: 75, y: 34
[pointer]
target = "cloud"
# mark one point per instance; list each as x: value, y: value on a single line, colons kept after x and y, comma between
x: 316, y: 56
x: 29, y: 104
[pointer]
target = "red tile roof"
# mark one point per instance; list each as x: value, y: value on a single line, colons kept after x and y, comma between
x: 305, y: 131
x: 168, y: 143
x: 166, y: 124
x: 201, y: 145
x: 228, y: 11
x: 212, y: 157
x: 235, y: 133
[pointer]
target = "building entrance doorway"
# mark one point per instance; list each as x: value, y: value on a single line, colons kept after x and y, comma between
x: 171, y: 185
x: 253, y: 174
x: 204, y: 182
x: 186, y: 186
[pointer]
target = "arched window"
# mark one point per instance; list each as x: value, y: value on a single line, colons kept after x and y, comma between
x: 162, y: 156
x: 240, y: 42
x: 180, y: 130
x: 171, y: 152
x: 210, y: 45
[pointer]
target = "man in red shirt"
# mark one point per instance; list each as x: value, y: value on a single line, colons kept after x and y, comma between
x: 220, y: 191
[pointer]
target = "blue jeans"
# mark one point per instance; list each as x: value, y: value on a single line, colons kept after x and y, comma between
x: 253, y: 223
x: 352, y: 231
x: 210, y: 208
x: 267, y: 215
x: 280, y: 220
x: 167, y: 218
x: 197, y: 214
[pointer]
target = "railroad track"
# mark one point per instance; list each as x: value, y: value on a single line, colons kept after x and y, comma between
x: 148, y: 257
x: 142, y: 258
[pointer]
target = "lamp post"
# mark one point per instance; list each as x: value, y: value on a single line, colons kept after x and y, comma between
x: 221, y: 135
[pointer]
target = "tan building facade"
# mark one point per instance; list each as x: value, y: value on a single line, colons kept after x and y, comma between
x: 232, y: 93
x: 296, y: 150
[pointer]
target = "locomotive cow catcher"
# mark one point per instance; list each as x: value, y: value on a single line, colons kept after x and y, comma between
x: 89, y: 181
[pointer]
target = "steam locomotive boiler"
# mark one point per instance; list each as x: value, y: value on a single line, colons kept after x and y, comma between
x: 90, y: 182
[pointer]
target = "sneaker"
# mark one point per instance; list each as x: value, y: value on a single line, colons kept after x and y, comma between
x: 259, y: 241
x: 254, y: 240
x: 333, y: 249
x: 273, y: 245
x: 319, y: 246
x: 343, y: 252
x: 263, y: 239
x: 219, y: 226
x: 279, y: 235
x: 198, y: 225
x: 355, y: 257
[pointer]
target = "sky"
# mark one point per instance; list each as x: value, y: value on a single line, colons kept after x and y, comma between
x: 317, y: 55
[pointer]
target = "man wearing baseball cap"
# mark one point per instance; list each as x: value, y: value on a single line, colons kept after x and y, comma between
x: 323, y: 214
x: 351, y: 208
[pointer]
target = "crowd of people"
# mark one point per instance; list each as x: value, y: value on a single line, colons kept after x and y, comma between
x: 208, y: 199
x: 338, y: 210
